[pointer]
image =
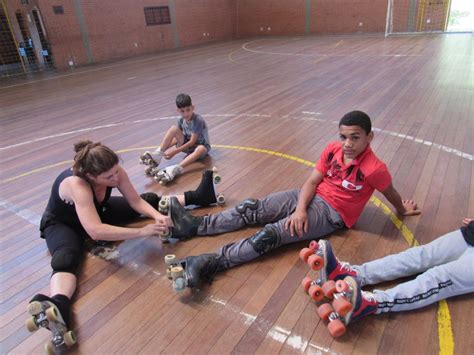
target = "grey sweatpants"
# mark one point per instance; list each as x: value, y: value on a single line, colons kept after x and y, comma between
x: 272, y: 211
x: 446, y: 268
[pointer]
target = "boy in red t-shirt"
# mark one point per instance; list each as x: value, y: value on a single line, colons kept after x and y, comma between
x: 333, y: 197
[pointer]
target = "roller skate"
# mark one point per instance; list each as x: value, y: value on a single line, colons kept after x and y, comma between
x: 185, y: 225
x: 45, y: 314
x: 350, y: 304
x: 191, y: 271
x: 206, y: 193
x: 152, y: 159
x: 168, y: 174
x: 320, y: 257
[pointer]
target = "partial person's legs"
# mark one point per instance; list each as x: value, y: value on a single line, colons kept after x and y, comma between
x: 322, y: 220
x: 251, y: 212
x: 438, y: 283
x: 413, y: 261
x: 66, y: 248
x: 199, y: 152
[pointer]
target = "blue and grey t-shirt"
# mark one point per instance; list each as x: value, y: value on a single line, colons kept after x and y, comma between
x: 196, y: 125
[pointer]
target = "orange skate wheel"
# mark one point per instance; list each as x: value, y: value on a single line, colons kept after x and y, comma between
x: 342, y: 286
x: 316, y: 292
x: 336, y: 328
x: 306, y: 283
x: 305, y: 254
x: 342, y: 306
x: 324, y: 311
x: 315, y: 262
x: 329, y: 288
x: 314, y: 245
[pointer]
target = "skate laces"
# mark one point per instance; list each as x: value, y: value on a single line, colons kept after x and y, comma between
x: 368, y: 296
x: 345, y: 266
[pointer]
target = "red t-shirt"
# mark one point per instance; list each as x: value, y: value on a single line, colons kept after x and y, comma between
x: 347, y: 188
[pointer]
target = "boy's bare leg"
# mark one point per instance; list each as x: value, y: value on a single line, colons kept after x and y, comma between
x: 173, y: 137
x: 194, y: 156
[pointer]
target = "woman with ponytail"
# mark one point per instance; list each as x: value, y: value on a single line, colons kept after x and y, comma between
x: 81, y: 206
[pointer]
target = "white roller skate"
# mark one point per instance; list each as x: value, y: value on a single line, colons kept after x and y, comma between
x: 168, y: 174
x: 152, y: 160
x: 45, y: 314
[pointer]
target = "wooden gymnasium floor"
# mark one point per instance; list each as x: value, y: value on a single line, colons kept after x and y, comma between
x: 260, y: 97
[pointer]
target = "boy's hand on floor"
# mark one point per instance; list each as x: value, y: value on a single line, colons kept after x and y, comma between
x: 411, y: 209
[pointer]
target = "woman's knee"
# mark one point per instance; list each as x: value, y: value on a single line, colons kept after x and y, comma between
x: 66, y: 260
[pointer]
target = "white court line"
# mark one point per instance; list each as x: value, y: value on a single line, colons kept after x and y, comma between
x: 308, y: 118
x: 119, y: 124
x: 21, y: 212
x: 403, y: 136
x: 276, y: 332
x: 245, y: 48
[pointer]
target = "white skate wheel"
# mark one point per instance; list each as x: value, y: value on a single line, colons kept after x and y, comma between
x: 220, y: 199
x: 179, y: 284
x: 31, y: 324
x: 170, y: 259
x: 69, y: 338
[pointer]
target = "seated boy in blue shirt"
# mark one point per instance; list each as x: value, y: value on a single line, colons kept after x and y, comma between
x: 189, y: 135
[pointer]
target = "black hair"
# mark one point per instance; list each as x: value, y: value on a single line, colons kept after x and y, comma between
x: 357, y: 118
x: 183, y: 100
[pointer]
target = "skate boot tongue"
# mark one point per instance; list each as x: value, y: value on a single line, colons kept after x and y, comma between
x: 185, y: 225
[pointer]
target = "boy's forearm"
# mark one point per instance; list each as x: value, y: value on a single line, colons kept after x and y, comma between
x: 392, y: 195
x: 305, y: 196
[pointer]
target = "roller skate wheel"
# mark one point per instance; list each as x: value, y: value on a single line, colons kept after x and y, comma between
x: 49, y: 348
x: 315, y: 262
x: 305, y: 253
x: 329, y: 288
x: 306, y: 283
x: 336, y: 328
x: 176, y: 272
x: 69, y: 338
x: 314, y: 245
x: 52, y: 314
x: 217, y: 179
x: 316, y: 292
x: 342, y: 286
x: 342, y: 306
x: 34, y: 308
x: 164, y: 203
x: 214, y: 169
x: 179, y: 284
x: 220, y: 199
x: 324, y: 311
x: 31, y: 324
x: 170, y: 259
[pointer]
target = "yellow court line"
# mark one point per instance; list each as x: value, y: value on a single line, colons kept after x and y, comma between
x: 445, y: 333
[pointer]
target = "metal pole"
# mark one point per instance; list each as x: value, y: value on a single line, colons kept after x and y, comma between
x: 13, y: 35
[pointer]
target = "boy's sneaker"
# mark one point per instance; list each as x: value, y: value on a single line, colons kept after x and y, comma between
x: 363, y: 303
x: 333, y: 269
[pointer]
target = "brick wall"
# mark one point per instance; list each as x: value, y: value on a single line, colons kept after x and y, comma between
x: 92, y: 31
